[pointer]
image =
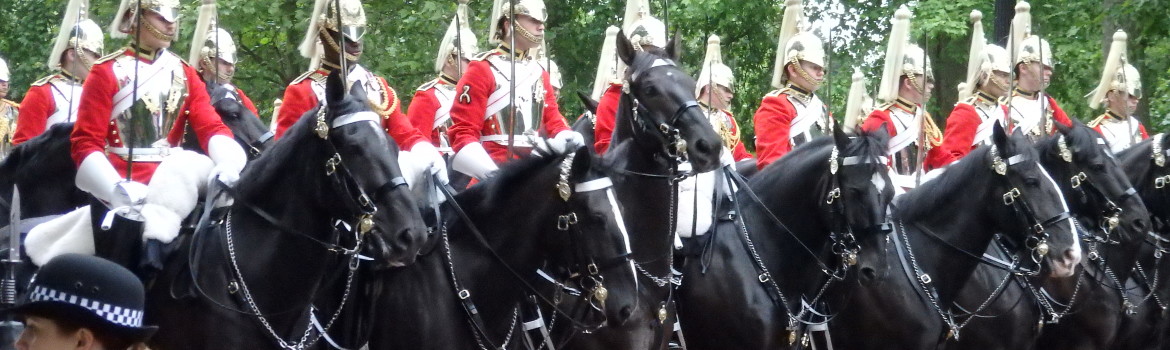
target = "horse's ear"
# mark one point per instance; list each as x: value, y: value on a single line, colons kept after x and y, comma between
x: 582, y: 162
x: 625, y: 49
x: 334, y: 87
x: 1065, y: 129
x: 674, y: 47
x: 588, y: 101
x: 999, y: 136
x: 839, y: 136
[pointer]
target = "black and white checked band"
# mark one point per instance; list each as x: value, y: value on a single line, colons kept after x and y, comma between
x: 115, y: 314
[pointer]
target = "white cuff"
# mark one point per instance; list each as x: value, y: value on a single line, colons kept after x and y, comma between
x: 97, y: 176
x: 473, y: 160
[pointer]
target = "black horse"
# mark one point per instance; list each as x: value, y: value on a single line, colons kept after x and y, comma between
x: 1010, y: 309
x: 554, y: 213
x: 658, y: 126
x: 909, y: 278
x: 586, y: 123
x: 1149, y: 326
x: 248, y: 277
x: 791, y: 234
x: 250, y: 132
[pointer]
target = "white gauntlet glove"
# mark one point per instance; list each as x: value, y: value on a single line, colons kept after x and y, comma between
x: 474, y: 161
x: 564, y: 142
x: 229, y: 160
x: 428, y: 154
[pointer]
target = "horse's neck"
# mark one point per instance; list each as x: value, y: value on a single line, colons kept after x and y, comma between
x: 966, y: 228
x: 798, y: 212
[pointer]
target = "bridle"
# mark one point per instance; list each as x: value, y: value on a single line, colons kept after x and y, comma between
x: 360, y: 206
x: 670, y: 138
x: 255, y: 147
x: 584, y: 273
x: 1110, y: 214
x: 844, y: 244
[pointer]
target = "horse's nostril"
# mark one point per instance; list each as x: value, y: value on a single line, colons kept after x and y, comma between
x: 868, y: 273
x: 1139, y: 225
x: 1071, y: 255
x: 626, y: 312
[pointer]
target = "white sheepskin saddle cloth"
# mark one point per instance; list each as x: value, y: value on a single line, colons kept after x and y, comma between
x: 174, y: 191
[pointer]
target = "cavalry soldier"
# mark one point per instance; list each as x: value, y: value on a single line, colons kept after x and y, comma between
x: 430, y: 110
x: 714, y: 92
x: 305, y: 92
x: 793, y: 114
x: 971, y: 122
x: 1032, y: 110
x: 907, y: 81
x: 213, y: 52
x: 1120, y: 90
x: 136, y: 105
x: 498, y: 115
x: 8, y: 110
x: 646, y: 33
x: 54, y: 99
x: 858, y: 104
x: 83, y: 302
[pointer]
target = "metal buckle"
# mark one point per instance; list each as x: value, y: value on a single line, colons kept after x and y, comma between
x: 1160, y: 182
x: 1078, y: 179
x: 464, y: 294
x: 331, y: 164
x: 1009, y: 197
x: 592, y: 268
x: 833, y: 195
x: 925, y: 278
x: 564, y: 221
x: 764, y: 278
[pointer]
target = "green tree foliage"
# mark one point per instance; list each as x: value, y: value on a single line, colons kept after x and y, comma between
x: 404, y: 34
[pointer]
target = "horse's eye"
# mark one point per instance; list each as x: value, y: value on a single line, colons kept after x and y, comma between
x: 1099, y: 167
x: 1032, y: 182
x: 651, y: 91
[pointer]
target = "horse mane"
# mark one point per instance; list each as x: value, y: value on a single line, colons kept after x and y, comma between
x: 269, y: 166
x: 924, y: 200
x: 868, y: 144
x: 515, y: 174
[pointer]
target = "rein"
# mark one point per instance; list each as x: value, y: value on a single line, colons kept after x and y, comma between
x: 588, y: 269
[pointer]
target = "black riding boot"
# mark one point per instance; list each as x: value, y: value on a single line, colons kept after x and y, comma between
x: 122, y: 243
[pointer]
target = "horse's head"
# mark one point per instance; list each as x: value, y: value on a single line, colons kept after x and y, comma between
x: 1145, y: 164
x: 863, y: 187
x: 1099, y: 190
x: 1033, y: 212
x: 249, y: 131
x: 665, y: 107
x: 590, y: 241
x: 364, y: 173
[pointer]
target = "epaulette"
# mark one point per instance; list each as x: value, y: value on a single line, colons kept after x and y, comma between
x: 774, y: 93
x: 313, y: 74
x: 11, y: 102
x: 428, y: 85
x: 45, y: 80
x: 484, y: 55
x: 1098, y: 121
x: 112, y: 56
x: 970, y: 100
x: 884, y: 106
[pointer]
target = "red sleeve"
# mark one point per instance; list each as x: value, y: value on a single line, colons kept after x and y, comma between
x: 773, y: 120
x: 422, y: 112
x: 395, y: 123
x: 248, y: 102
x: 962, y: 124
x: 1057, y: 113
x: 198, y: 113
x: 606, y: 117
x: 35, y: 109
x: 93, y: 118
x: 298, y: 100
x: 478, y: 82
x: 1142, y: 128
x: 740, y: 152
x: 553, y: 121
x: 876, y: 119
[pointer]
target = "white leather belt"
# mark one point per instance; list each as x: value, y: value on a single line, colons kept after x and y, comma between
x: 518, y: 140
x: 152, y: 154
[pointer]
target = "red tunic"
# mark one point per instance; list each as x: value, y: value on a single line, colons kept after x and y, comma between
x: 299, y: 98
x: 959, y: 137
x: 606, y: 117
x: 423, y: 108
x: 773, y: 120
x: 469, y: 113
x: 38, y: 105
x: 95, y: 129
